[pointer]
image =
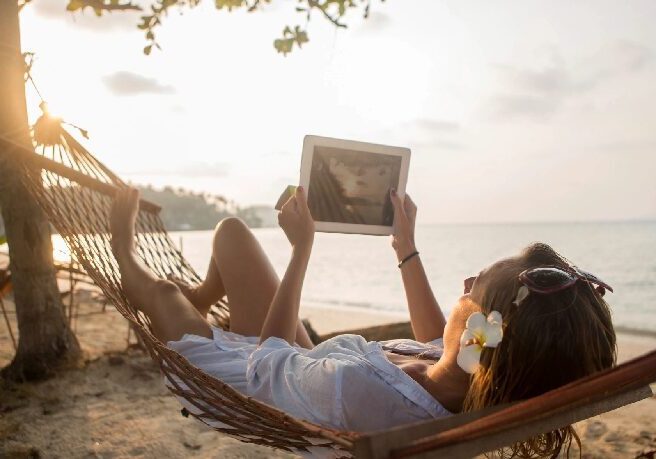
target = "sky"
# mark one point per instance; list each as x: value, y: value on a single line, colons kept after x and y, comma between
x: 515, y: 111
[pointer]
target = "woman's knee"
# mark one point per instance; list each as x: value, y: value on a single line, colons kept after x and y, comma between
x: 158, y: 293
x: 164, y: 289
x: 231, y: 228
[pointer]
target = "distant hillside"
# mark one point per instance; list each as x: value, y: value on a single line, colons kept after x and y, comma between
x: 267, y: 215
x: 187, y: 210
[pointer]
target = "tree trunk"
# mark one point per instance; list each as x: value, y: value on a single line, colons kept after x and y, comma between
x: 45, y: 339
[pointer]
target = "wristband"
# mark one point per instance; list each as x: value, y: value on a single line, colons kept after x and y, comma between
x: 409, y: 257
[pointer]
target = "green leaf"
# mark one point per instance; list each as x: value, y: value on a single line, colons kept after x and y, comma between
x: 301, y: 37
x: 229, y: 4
x: 145, y: 22
x: 74, y: 5
x: 147, y: 50
x: 284, y: 45
x: 3, y: 239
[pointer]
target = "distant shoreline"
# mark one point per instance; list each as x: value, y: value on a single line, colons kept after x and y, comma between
x: 430, y: 225
x: 635, y: 331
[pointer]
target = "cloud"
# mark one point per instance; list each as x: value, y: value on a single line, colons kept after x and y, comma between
x: 192, y: 169
x: 630, y: 56
x: 125, y: 83
x: 533, y: 93
x: 626, y: 146
x: 437, y: 144
x: 431, y: 134
x: 621, y: 57
x: 537, y: 93
x: 523, y: 105
x: 56, y: 10
x: 552, y: 79
x: 427, y: 134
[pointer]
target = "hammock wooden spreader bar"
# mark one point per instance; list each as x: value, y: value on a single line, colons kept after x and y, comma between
x: 43, y: 162
x: 75, y: 190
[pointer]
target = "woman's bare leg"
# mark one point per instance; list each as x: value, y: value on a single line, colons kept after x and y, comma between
x: 240, y: 268
x: 170, y: 312
x: 207, y: 293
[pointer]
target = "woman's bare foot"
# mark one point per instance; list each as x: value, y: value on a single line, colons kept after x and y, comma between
x: 122, y: 218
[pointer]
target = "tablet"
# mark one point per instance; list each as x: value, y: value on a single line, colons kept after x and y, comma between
x: 348, y: 184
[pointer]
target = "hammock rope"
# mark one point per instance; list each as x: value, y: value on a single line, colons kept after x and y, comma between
x: 76, y: 191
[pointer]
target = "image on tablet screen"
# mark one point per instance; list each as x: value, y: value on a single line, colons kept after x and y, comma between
x: 352, y: 186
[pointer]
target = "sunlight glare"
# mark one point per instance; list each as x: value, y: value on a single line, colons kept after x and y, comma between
x: 60, y: 252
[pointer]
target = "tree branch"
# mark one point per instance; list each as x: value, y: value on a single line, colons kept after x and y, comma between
x: 322, y: 8
x: 332, y: 10
x: 99, y: 6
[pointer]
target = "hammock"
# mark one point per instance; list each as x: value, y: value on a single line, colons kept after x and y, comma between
x: 76, y: 192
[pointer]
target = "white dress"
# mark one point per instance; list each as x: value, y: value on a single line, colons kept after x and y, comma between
x: 344, y: 383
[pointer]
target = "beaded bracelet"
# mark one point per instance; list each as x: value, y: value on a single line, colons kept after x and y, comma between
x: 412, y: 255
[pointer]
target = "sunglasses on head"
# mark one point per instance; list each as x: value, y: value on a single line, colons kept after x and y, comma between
x: 551, y: 279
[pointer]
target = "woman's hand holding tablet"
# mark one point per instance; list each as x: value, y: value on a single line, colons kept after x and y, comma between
x: 348, y: 184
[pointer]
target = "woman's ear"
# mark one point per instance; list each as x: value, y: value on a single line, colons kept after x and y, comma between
x: 457, y: 321
x: 469, y: 306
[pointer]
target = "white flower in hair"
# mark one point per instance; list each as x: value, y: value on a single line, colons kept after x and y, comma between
x: 479, y: 333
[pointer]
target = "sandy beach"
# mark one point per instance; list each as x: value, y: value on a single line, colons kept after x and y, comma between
x: 117, y: 406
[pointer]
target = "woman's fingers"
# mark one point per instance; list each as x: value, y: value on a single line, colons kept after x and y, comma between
x: 409, y: 205
x: 399, y: 211
x: 396, y: 201
x: 295, y: 220
x: 301, y: 200
x: 289, y: 206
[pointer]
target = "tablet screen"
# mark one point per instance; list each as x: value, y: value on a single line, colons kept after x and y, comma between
x: 350, y: 186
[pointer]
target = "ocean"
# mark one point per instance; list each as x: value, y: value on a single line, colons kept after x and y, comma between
x: 360, y: 271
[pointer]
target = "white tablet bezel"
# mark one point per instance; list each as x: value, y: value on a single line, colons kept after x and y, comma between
x: 310, y: 141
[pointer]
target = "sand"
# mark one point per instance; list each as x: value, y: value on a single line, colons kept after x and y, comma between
x: 117, y: 406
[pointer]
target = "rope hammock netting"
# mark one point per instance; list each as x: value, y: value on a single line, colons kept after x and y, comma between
x: 76, y: 191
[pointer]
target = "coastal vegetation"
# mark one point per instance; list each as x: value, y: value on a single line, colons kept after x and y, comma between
x: 184, y: 210
x: 188, y: 210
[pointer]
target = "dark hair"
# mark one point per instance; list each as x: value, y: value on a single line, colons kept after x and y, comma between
x: 549, y: 340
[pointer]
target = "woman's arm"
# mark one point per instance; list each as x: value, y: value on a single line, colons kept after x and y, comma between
x: 426, y: 316
x: 296, y: 221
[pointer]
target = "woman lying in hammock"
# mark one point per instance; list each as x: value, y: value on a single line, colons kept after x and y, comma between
x: 525, y: 325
